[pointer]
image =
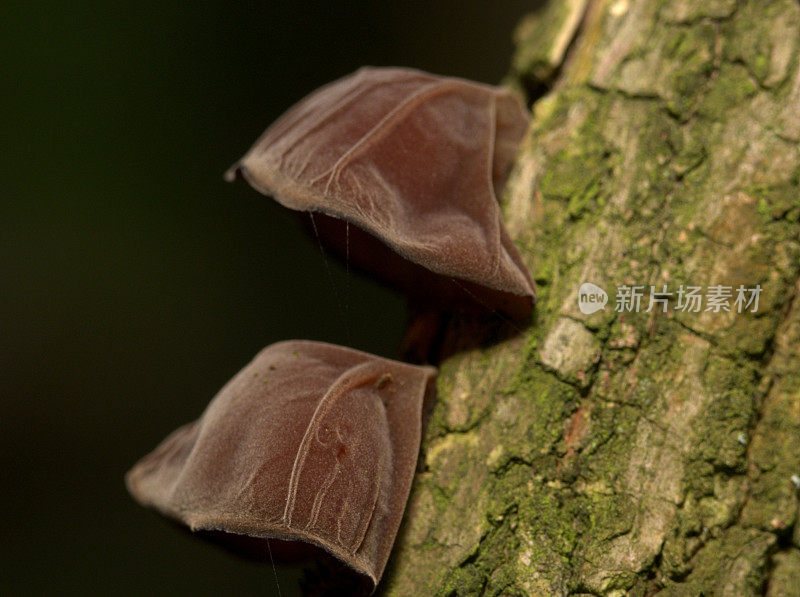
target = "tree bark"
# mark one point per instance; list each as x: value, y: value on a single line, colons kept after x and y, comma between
x: 639, y: 453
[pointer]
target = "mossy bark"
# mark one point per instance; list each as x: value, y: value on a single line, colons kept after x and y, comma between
x: 633, y: 452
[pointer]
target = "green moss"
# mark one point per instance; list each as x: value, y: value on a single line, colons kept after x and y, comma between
x: 610, y: 515
x: 487, y: 570
x: 758, y: 31
x: 534, y: 37
x: 777, y: 201
x: 764, y: 209
x: 575, y: 176
x: 732, y: 86
x: 542, y: 402
x: 463, y: 581
x: 579, y: 172
x: 542, y: 511
x: 736, y: 561
x: 688, y: 56
x: 785, y: 578
x: 773, y: 501
x: 691, y: 12
x: 441, y: 497
x: 689, y: 147
x: 728, y: 414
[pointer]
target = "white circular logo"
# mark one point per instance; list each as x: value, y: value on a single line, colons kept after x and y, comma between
x: 591, y: 298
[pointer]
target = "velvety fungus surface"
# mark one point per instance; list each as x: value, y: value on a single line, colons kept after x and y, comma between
x: 310, y: 442
x: 403, y: 169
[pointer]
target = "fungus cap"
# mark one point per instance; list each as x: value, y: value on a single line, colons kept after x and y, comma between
x: 414, y: 160
x: 309, y: 442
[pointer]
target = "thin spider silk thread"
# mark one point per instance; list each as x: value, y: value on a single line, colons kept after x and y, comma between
x: 336, y: 295
x: 274, y: 571
x: 347, y: 271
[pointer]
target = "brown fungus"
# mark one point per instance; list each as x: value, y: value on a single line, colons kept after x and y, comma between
x: 310, y: 442
x: 415, y: 161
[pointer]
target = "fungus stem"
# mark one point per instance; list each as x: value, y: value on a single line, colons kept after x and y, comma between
x: 497, y: 313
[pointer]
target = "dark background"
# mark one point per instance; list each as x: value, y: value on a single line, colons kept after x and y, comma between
x: 134, y: 282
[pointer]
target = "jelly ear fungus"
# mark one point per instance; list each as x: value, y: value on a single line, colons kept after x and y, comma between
x: 310, y: 442
x: 400, y: 171
x: 314, y: 444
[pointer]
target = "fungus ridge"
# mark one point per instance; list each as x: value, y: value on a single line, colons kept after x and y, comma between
x: 342, y: 389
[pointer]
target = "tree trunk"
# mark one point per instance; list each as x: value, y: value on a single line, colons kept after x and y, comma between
x: 633, y: 451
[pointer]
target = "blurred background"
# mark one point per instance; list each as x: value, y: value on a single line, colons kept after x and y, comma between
x: 134, y: 282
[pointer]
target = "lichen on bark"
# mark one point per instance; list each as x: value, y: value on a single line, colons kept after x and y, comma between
x: 644, y: 452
